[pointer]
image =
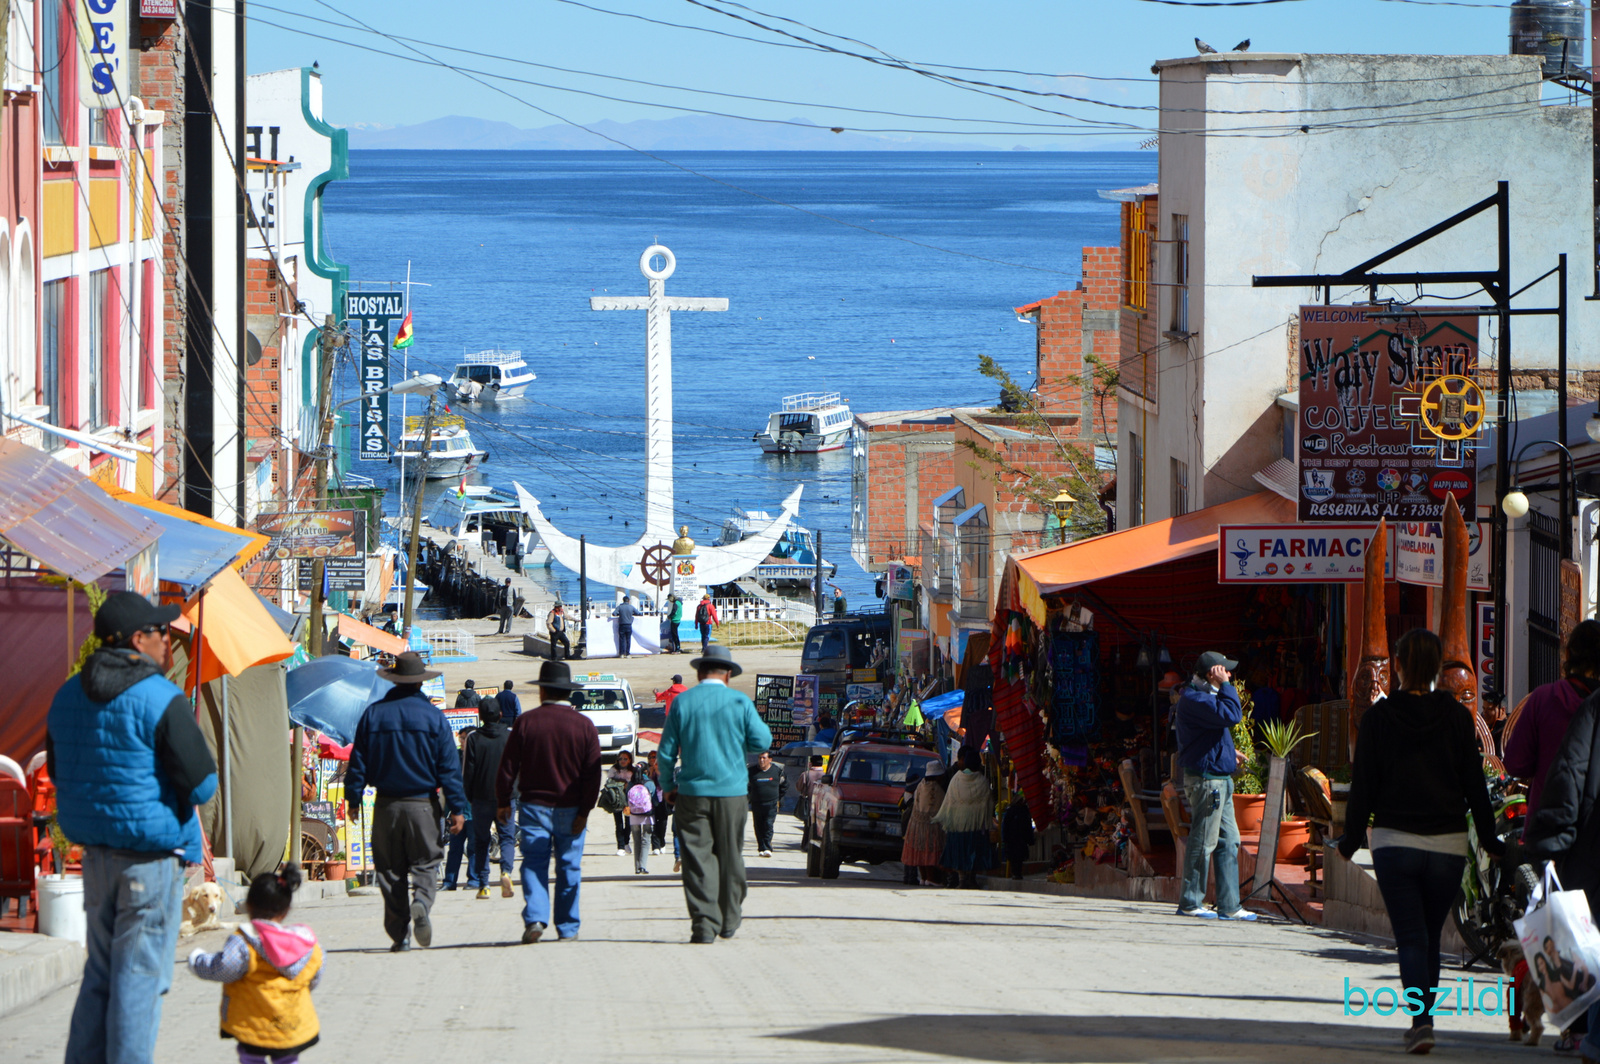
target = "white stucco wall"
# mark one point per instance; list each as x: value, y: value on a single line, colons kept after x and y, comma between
x: 1393, y: 144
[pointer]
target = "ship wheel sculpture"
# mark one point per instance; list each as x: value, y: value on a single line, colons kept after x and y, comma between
x: 656, y: 565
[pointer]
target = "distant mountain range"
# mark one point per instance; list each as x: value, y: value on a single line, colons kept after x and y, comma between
x: 687, y: 133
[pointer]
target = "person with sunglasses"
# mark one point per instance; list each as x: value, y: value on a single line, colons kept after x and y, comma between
x: 130, y: 764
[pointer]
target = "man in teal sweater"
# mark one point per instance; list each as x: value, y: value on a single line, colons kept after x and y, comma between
x: 704, y: 744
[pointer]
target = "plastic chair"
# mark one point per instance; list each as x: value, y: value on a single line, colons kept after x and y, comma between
x: 16, y: 839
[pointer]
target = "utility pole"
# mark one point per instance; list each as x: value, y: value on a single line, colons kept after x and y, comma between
x: 416, y: 511
x: 328, y: 342
x: 583, y: 597
x: 816, y: 540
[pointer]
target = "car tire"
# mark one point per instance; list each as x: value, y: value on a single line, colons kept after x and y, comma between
x: 831, y: 858
x: 813, y: 861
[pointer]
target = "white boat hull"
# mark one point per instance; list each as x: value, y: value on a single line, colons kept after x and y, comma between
x: 449, y: 467
x: 492, y: 395
x: 806, y: 444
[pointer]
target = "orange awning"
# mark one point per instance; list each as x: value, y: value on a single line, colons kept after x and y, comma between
x: 360, y: 632
x: 1093, y: 559
x: 236, y: 631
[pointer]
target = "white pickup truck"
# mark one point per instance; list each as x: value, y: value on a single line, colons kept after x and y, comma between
x: 607, y: 699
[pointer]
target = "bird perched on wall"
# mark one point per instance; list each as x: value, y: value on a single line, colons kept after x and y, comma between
x: 1203, y: 48
x: 1242, y: 46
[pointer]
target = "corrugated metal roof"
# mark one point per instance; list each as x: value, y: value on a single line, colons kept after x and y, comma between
x: 64, y: 519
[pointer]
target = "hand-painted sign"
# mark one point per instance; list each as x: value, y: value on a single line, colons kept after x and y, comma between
x: 1296, y: 554
x: 373, y: 317
x: 1365, y: 448
x: 1419, y: 553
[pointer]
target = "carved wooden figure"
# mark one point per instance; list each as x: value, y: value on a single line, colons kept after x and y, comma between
x: 1457, y: 675
x: 1370, y: 681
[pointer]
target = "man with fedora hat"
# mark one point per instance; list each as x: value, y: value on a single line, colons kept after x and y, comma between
x: 404, y: 749
x: 552, y: 759
x: 704, y: 745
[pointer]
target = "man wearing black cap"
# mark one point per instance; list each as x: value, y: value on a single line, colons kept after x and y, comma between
x: 552, y: 761
x: 1207, y: 711
x: 130, y: 765
x: 404, y: 749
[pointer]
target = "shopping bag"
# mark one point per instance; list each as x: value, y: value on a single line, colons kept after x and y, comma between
x: 1561, y: 944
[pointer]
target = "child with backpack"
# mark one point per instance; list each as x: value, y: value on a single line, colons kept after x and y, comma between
x: 268, y: 970
x: 641, y: 821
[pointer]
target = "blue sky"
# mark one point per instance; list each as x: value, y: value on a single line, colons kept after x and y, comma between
x: 1106, y: 38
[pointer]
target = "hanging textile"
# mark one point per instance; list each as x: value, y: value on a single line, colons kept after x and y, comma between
x: 1019, y: 724
x: 1075, y: 673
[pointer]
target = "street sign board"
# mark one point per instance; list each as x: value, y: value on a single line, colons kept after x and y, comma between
x: 314, y: 534
x: 343, y: 574
x: 774, y: 695
x: 1364, y: 450
x: 1296, y: 554
x: 1419, y: 553
x: 373, y: 318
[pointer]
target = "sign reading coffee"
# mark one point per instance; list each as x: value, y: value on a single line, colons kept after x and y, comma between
x: 1370, y: 441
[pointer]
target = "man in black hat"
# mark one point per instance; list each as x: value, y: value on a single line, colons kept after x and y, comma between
x: 552, y: 761
x: 711, y: 731
x: 129, y: 765
x: 404, y: 749
x: 1207, y: 711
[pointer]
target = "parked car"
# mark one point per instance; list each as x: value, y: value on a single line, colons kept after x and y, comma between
x: 607, y: 699
x: 855, y: 806
x: 839, y: 649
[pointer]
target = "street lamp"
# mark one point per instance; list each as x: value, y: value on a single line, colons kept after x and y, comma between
x: 1592, y: 426
x: 1515, y: 502
x: 1062, y: 504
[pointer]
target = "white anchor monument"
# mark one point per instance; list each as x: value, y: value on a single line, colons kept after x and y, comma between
x: 646, y: 564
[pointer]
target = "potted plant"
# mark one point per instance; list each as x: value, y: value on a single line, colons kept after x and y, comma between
x: 334, y: 867
x: 1249, y: 793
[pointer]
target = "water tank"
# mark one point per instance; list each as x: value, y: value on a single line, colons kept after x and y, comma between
x: 1553, y: 30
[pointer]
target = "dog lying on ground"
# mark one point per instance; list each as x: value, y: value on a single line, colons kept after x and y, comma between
x: 201, y: 904
x: 1527, y: 1022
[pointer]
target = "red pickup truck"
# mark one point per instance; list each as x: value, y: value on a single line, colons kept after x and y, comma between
x: 855, y: 807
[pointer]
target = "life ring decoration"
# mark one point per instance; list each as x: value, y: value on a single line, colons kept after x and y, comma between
x: 656, y: 565
x: 1452, y: 407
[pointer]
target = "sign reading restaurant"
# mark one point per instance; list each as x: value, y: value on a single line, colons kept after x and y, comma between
x: 1365, y: 448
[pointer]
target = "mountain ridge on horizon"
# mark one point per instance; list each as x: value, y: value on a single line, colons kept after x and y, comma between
x: 684, y: 133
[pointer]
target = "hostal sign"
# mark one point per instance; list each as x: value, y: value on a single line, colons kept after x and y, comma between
x: 373, y: 319
x: 1364, y: 450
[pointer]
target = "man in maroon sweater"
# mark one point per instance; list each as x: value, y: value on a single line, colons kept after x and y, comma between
x: 552, y: 758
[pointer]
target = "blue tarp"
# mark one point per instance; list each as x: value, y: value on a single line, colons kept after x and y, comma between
x: 189, y: 554
x: 938, y: 705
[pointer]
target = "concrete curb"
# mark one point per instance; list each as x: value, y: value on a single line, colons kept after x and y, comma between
x: 32, y: 966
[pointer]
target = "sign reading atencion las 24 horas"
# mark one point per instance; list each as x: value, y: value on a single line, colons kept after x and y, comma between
x: 373, y: 317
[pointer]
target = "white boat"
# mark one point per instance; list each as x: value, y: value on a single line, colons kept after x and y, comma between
x: 450, y: 454
x: 792, y: 564
x: 489, y: 377
x: 474, y: 509
x: 808, y: 423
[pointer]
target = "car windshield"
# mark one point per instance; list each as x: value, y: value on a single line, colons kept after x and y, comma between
x: 600, y: 698
x: 861, y: 766
x: 825, y: 645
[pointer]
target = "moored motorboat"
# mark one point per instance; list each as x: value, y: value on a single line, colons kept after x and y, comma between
x: 809, y: 423
x: 451, y: 451
x: 489, y: 376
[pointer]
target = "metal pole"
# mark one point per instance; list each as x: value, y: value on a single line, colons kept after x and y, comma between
x: 226, y: 742
x: 816, y: 542
x: 583, y: 594
x: 1594, y: 117
x: 416, y: 512
x: 1502, y: 443
x: 296, y: 809
x: 324, y: 394
x: 1561, y: 407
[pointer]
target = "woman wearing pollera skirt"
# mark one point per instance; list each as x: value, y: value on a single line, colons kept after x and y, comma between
x: 967, y: 817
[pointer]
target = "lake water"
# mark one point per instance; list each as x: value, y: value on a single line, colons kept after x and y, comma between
x: 513, y: 245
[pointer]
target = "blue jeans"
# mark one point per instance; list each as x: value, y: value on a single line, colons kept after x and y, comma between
x: 133, y: 903
x: 483, y: 818
x: 1213, y: 837
x: 1418, y: 889
x: 546, y: 832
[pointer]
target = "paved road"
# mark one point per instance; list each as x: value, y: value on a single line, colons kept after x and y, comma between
x: 860, y: 969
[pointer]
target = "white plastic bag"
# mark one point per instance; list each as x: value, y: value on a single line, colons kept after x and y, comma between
x: 1563, y: 949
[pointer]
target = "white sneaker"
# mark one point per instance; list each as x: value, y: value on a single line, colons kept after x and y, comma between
x: 622, y: 853
x: 656, y: 852
x: 1243, y: 914
x: 764, y: 853
x: 1201, y: 913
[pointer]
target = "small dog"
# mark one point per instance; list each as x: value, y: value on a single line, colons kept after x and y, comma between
x: 201, y: 904
x: 1527, y: 1023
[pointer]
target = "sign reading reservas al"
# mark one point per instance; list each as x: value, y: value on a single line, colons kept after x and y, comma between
x: 1296, y: 554
x: 1362, y: 371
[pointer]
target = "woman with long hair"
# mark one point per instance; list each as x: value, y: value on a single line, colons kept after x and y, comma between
x: 1417, y: 773
x: 924, y: 844
x: 623, y: 770
x: 967, y: 817
x: 1532, y: 745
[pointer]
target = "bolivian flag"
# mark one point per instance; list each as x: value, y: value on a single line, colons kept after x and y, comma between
x: 404, y: 337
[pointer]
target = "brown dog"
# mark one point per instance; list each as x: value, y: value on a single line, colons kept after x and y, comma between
x: 201, y: 905
x: 1527, y: 1023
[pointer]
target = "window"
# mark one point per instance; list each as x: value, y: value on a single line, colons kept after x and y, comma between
x: 52, y: 378
x: 102, y: 366
x: 1135, y: 480
x: 97, y: 126
x: 147, y: 342
x: 1290, y: 418
x: 52, y: 61
x: 1180, y: 488
x: 1180, y: 273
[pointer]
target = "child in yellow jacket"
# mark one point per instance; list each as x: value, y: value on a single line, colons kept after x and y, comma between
x: 268, y: 970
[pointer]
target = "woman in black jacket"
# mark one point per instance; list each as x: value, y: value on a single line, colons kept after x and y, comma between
x: 1417, y: 773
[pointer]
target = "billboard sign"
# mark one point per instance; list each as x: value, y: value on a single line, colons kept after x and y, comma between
x: 1296, y: 554
x: 1419, y: 553
x: 1366, y: 376
x: 373, y: 318
x: 314, y: 534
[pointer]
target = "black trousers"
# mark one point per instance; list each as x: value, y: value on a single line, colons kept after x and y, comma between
x: 766, y: 815
x: 624, y: 640
x: 663, y: 814
x: 560, y: 639
x: 505, y: 620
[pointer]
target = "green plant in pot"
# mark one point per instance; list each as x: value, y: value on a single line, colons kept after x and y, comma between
x: 1252, y: 775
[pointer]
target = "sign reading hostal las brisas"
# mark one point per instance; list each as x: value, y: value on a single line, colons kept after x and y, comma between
x: 373, y: 317
x: 1296, y: 554
x: 1362, y: 452
x: 1419, y: 553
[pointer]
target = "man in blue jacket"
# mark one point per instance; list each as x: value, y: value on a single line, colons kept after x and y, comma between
x: 711, y: 731
x: 403, y: 749
x: 1207, y: 711
x: 130, y: 765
